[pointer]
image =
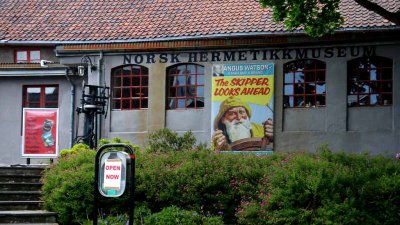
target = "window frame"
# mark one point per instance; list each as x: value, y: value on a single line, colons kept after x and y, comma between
x: 143, y: 89
x: 318, y: 71
x: 42, y: 96
x: 28, y: 55
x: 197, y: 100
x: 356, y: 87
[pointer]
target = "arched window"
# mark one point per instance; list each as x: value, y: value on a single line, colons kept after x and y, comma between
x: 185, y: 86
x: 304, y: 83
x: 369, y: 81
x: 130, y: 87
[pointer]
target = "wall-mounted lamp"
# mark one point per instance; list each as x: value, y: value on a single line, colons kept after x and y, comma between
x: 86, y: 59
x: 81, y: 71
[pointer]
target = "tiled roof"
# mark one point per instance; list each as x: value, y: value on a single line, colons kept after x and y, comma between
x: 119, y: 20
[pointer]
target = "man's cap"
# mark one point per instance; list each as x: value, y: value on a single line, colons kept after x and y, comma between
x: 227, y: 104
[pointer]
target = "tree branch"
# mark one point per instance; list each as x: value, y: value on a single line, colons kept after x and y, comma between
x: 391, y: 16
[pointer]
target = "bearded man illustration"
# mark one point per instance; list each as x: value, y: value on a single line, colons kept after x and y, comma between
x: 233, y: 123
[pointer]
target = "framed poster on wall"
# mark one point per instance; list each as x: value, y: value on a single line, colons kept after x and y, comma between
x: 40, y: 133
x: 242, y: 107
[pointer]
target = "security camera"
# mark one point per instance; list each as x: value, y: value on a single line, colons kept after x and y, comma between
x: 44, y: 62
x: 81, y: 71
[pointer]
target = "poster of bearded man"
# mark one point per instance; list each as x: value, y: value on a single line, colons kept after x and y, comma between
x: 242, y: 108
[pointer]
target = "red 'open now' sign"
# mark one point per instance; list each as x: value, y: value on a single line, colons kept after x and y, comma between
x: 112, y: 174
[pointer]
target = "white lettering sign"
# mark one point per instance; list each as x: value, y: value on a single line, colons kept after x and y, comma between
x: 112, y: 174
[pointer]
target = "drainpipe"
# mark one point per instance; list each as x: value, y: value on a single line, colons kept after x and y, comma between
x: 100, y: 82
x: 72, y: 111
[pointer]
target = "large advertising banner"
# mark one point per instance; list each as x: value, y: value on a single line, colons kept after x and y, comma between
x: 40, y: 133
x: 242, y: 107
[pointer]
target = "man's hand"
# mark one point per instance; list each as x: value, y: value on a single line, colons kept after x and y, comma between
x: 219, y: 139
x: 269, y: 129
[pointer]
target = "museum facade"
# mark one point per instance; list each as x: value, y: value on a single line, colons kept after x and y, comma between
x: 339, y: 90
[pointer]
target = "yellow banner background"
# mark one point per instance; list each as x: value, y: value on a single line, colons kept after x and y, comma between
x: 251, y: 89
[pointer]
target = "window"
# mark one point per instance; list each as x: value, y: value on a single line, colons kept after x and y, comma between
x: 40, y: 96
x: 369, y: 81
x: 185, y: 86
x: 27, y: 56
x: 130, y: 85
x: 304, y: 83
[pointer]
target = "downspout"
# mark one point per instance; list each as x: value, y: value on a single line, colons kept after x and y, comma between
x: 72, y: 118
x: 100, y: 81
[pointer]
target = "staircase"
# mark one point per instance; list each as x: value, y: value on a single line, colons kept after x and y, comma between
x: 20, y: 190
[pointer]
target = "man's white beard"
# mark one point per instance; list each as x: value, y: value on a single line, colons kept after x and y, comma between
x: 238, y: 129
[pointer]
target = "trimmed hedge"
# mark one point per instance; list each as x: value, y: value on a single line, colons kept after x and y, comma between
x: 292, y: 188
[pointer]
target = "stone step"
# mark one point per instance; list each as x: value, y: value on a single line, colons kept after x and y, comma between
x: 28, y: 186
x: 20, y: 205
x: 27, y: 216
x: 25, y: 170
x: 21, y: 178
x: 20, y: 195
x: 29, y: 223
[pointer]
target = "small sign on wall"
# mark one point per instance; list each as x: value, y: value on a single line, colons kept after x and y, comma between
x: 40, y: 133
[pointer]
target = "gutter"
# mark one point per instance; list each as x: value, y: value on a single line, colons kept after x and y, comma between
x: 4, y: 72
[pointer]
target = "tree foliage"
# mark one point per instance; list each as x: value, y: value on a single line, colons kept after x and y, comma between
x: 318, y: 17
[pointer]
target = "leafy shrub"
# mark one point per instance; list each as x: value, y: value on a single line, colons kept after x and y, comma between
x: 68, y: 184
x: 141, y: 212
x: 175, y: 216
x: 165, y: 140
x: 202, y: 181
x: 168, y: 216
x: 110, y: 220
x: 76, y: 148
x: 327, y: 188
x: 290, y: 188
x: 117, y: 140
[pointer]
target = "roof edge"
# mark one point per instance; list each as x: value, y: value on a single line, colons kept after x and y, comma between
x: 32, y: 72
x: 230, y: 35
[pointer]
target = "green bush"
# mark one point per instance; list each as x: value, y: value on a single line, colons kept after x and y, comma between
x: 117, y: 140
x: 141, y: 212
x: 175, y: 216
x: 327, y: 188
x: 110, y: 220
x: 202, y: 181
x: 291, y: 188
x: 76, y: 148
x: 168, y: 216
x: 68, y: 185
x: 165, y: 140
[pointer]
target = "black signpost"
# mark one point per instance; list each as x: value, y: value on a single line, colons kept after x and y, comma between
x: 100, y: 152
